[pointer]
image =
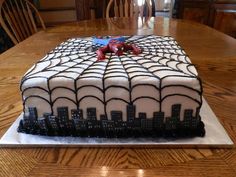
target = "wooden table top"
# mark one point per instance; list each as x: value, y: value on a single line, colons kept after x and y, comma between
x: 212, y: 52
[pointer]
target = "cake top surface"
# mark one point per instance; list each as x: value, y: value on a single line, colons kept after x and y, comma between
x: 76, y: 59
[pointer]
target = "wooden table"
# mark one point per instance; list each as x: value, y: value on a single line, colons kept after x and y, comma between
x: 212, y: 52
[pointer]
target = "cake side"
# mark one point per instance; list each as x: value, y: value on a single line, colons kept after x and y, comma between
x: 156, y: 88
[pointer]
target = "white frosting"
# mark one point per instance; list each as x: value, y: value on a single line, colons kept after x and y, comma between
x: 66, y: 75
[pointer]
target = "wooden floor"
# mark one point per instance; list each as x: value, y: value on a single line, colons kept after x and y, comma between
x: 215, y: 57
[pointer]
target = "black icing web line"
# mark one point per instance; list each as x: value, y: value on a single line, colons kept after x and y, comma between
x: 76, y: 81
x: 157, y: 87
x: 103, y: 87
x: 158, y: 43
x: 76, y: 50
x: 177, y: 60
x: 50, y: 102
x: 129, y: 80
x: 61, y: 63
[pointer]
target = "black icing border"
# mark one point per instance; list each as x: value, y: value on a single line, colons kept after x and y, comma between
x: 77, y: 126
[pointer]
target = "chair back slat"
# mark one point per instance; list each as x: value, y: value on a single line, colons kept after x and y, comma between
x: 15, y: 37
x: 13, y: 20
x: 116, y: 9
x: 31, y: 18
x: 126, y: 8
x: 129, y: 8
x: 22, y: 19
x: 27, y: 18
x: 149, y: 6
x: 18, y: 19
x: 121, y: 9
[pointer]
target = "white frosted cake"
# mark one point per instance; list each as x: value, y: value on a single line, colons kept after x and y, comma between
x: 155, y: 93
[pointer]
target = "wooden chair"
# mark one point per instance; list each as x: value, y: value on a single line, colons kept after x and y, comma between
x: 18, y: 19
x: 129, y: 8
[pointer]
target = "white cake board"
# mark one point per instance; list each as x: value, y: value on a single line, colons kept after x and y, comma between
x: 216, y: 137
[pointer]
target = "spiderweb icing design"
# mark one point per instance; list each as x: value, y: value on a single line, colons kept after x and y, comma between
x: 71, y: 72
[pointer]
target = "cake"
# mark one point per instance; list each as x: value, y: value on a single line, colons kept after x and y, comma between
x: 153, y: 94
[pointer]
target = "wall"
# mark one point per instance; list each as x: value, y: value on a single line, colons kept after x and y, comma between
x: 55, y: 12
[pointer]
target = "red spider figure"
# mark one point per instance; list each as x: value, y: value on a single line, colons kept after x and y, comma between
x: 118, y: 48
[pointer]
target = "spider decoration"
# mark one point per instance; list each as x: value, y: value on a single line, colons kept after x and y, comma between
x: 117, y: 47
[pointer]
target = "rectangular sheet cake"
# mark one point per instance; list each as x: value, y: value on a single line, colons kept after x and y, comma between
x: 157, y: 92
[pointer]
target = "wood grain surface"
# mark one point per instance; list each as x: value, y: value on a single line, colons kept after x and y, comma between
x: 213, y: 53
